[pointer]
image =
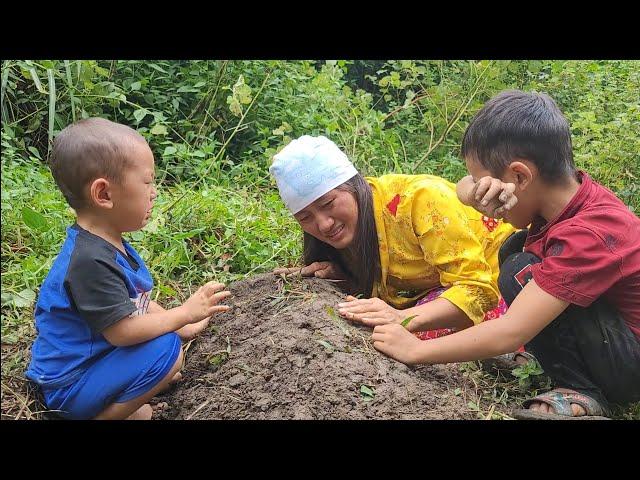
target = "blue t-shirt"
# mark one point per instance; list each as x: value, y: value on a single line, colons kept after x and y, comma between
x: 91, y: 286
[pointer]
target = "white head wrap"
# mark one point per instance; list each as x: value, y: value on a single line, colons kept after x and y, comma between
x: 307, y: 168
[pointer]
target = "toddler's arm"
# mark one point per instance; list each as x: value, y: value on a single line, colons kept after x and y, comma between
x: 138, y: 329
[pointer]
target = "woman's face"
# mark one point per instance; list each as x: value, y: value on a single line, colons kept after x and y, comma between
x: 332, y: 218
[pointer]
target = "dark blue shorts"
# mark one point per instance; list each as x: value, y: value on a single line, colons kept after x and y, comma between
x: 120, y: 376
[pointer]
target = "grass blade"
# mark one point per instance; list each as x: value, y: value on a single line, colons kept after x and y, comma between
x: 67, y: 69
x: 406, y: 321
x: 52, y: 106
x: 36, y: 80
x: 5, y: 79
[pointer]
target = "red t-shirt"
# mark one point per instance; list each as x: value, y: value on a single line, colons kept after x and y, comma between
x: 591, y: 249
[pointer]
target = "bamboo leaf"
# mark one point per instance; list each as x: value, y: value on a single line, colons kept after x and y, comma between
x: 36, y: 80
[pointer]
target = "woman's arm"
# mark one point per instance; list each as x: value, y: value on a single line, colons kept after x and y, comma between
x: 440, y: 313
x: 532, y: 310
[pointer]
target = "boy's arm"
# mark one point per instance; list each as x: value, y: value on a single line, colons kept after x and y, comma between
x: 532, y: 310
x: 489, y: 196
x: 464, y: 190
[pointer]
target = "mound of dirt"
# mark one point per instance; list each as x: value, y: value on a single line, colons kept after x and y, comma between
x: 281, y: 352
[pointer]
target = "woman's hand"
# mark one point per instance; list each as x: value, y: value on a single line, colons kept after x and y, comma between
x: 328, y: 270
x: 370, y: 311
x: 397, y: 342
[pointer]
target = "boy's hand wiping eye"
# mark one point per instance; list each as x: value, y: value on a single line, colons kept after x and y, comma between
x: 493, y: 197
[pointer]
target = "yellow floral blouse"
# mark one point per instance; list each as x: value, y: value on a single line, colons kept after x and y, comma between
x: 428, y: 239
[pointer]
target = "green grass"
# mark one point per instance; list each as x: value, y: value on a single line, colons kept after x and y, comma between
x: 493, y: 395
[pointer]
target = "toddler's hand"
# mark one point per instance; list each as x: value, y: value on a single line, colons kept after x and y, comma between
x: 204, y: 302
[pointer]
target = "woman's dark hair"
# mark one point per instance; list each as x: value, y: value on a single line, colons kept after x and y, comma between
x: 362, y: 261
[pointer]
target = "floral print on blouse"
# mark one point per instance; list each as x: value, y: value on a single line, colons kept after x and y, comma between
x: 428, y: 238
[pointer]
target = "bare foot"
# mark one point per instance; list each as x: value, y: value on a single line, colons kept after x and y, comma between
x: 143, y: 413
x: 541, y: 407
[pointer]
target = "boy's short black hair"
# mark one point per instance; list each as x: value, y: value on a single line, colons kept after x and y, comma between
x: 90, y: 149
x: 516, y: 124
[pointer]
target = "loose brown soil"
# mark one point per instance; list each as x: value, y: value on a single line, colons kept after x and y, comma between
x: 282, y: 353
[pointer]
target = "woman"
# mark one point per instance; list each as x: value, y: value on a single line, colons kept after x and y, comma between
x: 405, y: 241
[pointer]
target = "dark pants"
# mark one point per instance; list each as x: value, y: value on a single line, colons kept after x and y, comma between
x: 590, y: 350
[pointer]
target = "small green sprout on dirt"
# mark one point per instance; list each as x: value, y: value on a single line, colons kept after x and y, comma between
x: 367, y: 393
x: 330, y: 348
x: 336, y: 318
x: 216, y: 359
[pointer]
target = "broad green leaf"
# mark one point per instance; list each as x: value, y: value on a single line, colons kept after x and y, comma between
x: 159, y: 129
x: 170, y: 150
x: 35, y: 220
x: 6, y: 298
x: 167, y: 290
x: 101, y: 71
x: 35, y: 152
x: 135, y: 86
x: 140, y: 114
x: 25, y: 298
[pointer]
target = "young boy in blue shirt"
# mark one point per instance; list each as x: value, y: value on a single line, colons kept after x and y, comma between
x: 103, y: 347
